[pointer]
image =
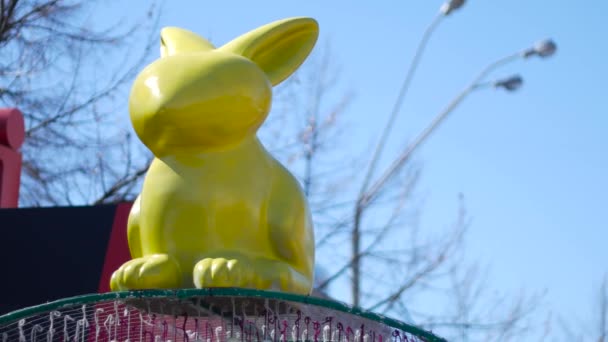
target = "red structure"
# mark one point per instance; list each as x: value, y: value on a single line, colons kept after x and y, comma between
x: 12, y: 134
x: 59, y: 243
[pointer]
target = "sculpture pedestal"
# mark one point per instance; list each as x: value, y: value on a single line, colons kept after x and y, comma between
x: 220, y: 314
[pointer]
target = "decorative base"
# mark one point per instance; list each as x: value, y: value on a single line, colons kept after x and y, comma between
x: 205, y: 315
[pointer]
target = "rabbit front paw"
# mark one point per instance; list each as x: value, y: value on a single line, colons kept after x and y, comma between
x: 223, y: 272
x: 156, y: 271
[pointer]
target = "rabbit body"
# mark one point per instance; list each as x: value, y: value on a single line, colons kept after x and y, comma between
x: 216, y: 209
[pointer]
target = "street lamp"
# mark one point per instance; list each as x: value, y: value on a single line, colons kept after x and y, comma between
x: 450, y: 6
x: 545, y: 48
x: 446, y: 9
x: 512, y: 83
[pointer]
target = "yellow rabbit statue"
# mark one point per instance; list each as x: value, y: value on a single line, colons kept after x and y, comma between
x: 216, y: 209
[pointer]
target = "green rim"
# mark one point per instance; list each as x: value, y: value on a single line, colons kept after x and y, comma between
x: 235, y: 292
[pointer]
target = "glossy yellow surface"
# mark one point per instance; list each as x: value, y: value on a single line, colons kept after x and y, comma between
x: 216, y: 209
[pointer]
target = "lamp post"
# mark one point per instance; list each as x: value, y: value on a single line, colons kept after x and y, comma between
x: 542, y: 49
x: 446, y: 9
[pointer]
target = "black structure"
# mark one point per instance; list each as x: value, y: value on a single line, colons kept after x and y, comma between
x: 52, y: 253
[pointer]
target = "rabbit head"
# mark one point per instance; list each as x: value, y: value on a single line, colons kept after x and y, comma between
x: 196, y: 96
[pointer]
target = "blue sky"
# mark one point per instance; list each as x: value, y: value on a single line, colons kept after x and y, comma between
x: 532, y: 164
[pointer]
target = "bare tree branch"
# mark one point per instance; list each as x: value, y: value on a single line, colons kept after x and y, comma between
x: 56, y: 69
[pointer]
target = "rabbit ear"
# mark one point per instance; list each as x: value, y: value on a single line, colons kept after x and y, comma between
x: 279, y: 48
x: 174, y: 40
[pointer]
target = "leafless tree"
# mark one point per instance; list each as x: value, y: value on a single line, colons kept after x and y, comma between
x: 68, y: 74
